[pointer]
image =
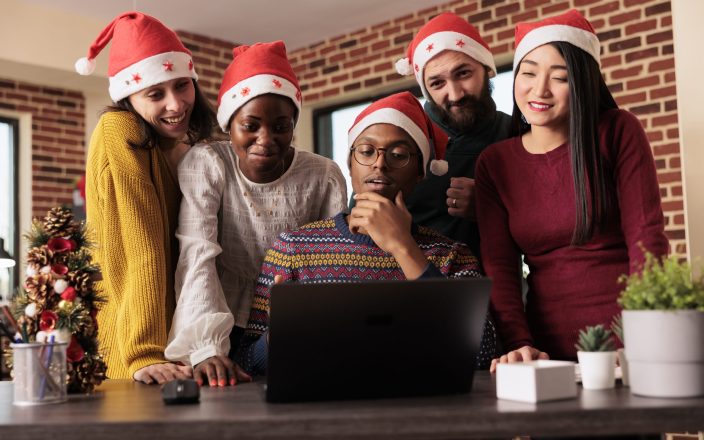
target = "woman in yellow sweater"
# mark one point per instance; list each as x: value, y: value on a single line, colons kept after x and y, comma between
x: 132, y: 190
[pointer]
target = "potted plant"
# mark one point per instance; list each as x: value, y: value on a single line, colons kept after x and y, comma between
x: 597, y: 357
x: 617, y: 329
x: 663, y: 329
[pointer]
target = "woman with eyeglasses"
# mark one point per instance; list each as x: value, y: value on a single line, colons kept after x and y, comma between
x: 391, y: 143
x: 237, y: 197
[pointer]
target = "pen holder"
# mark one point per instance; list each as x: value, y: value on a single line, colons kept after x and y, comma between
x: 39, y: 373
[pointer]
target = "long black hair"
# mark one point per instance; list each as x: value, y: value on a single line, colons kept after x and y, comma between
x: 589, y: 98
x: 200, y: 126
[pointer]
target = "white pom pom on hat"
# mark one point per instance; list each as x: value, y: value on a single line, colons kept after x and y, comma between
x: 84, y: 66
x: 439, y: 167
x: 403, y: 67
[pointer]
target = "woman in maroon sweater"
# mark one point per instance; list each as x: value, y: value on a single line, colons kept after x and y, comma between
x: 575, y: 192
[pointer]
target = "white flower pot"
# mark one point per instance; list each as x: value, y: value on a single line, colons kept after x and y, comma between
x: 597, y: 369
x: 665, y: 351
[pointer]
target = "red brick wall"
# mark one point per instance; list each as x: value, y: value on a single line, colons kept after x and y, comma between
x: 637, y: 59
x: 58, y: 130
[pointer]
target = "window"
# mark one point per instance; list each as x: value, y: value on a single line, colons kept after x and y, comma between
x: 331, y: 124
x: 9, y: 212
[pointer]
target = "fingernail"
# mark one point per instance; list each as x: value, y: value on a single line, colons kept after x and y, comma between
x: 232, y: 381
x: 213, y: 383
x: 222, y: 382
x: 200, y: 383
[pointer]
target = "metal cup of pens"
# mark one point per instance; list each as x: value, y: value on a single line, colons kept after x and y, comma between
x: 39, y: 372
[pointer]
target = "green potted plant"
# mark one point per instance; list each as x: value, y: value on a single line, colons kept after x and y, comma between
x: 597, y: 357
x: 617, y: 329
x: 663, y: 329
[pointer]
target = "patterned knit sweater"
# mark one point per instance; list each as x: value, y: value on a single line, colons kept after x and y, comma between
x: 327, y: 251
x: 132, y: 207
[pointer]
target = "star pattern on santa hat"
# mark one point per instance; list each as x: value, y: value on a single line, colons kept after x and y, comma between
x: 276, y: 83
x: 190, y: 64
x: 136, y: 78
x: 298, y: 95
x: 168, y: 66
x: 244, y: 91
x: 430, y: 47
x: 460, y: 43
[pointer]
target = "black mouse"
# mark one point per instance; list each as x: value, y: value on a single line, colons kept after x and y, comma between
x: 180, y: 391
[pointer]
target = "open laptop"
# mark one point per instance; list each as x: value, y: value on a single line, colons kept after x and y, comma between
x: 374, y: 339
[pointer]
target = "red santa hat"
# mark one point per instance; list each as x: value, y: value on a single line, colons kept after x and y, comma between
x: 143, y: 53
x: 256, y: 70
x: 404, y: 111
x: 447, y: 31
x: 570, y: 27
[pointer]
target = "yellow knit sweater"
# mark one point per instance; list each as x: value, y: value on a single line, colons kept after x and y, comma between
x: 132, y: 209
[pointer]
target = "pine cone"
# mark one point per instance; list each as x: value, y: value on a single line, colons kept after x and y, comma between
x: 40, y: 256
x: 86, y: 375
x: 59, y: 222
x: 80, y: 281
x: 37, y: 288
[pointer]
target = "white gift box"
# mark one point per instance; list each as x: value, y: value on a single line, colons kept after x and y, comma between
x: 536, y: 381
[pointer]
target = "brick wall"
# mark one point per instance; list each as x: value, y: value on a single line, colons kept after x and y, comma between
x: 638, y: 64
x: 58, y: 130
x: 637, y: 59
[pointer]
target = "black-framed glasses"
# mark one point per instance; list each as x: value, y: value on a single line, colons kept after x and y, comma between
x: 395, y: 157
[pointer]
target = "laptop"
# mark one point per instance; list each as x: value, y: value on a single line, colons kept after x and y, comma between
x: 379, y: 339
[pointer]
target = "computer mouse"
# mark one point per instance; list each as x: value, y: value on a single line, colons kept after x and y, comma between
x: 180, y: 391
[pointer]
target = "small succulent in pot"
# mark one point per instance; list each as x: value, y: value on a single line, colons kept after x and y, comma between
x: 595, y: 338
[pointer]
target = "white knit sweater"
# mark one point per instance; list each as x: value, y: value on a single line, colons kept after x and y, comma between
x: 226, y: 224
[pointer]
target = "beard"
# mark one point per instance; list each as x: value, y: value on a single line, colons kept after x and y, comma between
x: 469, y: 112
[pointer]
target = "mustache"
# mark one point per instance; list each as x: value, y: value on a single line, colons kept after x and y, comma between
x: 463, y: 102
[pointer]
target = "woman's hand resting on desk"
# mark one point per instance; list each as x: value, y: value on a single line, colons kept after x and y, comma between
x: 525, y: 354
x: 162, y: 373
x: 220, y: 371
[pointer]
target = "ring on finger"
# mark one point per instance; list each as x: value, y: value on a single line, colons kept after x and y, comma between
x: 454, y: 203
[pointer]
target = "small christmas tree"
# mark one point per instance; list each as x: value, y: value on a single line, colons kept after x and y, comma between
x: 58, y: 297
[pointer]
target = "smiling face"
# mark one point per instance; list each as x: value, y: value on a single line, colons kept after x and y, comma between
x: 166, y: 106
x: 380, y: 177
x: 541, y: 89
x: 261, y: 132
x: 459, y: 89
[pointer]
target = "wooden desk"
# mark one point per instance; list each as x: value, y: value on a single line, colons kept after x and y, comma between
x: 128, y: 411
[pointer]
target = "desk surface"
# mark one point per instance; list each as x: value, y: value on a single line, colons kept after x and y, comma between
x: 127, y: 410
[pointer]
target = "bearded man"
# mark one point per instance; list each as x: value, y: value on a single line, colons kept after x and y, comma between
x: 452, y: 65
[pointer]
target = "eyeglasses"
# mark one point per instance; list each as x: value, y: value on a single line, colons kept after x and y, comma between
x: 395, y: 157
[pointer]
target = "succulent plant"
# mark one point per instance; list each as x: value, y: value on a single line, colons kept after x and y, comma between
x: 595, y: 338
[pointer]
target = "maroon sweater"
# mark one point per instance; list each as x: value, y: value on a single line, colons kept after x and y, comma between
x: 525, y: 205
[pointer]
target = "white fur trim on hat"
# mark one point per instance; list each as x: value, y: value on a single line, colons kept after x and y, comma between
x: 254, y: 86
x: 581, y: 38
x: 149, y: 72
x: 392, y: 116
x: 440, y: 41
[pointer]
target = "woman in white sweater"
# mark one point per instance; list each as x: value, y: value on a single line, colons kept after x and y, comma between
x: 237, y: 197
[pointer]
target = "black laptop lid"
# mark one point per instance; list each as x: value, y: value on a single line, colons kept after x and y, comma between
x: 377, y: 339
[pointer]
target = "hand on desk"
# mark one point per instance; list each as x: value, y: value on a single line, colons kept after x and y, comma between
x: 525, y: 354
x: 220, y: 371
x: 162, y: 373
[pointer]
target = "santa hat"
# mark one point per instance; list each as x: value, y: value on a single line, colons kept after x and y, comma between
x: 256, y: 70
x: 447, y: 31
x: 143, y: 53
x: 570, y: 27
x: 404, y: 111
